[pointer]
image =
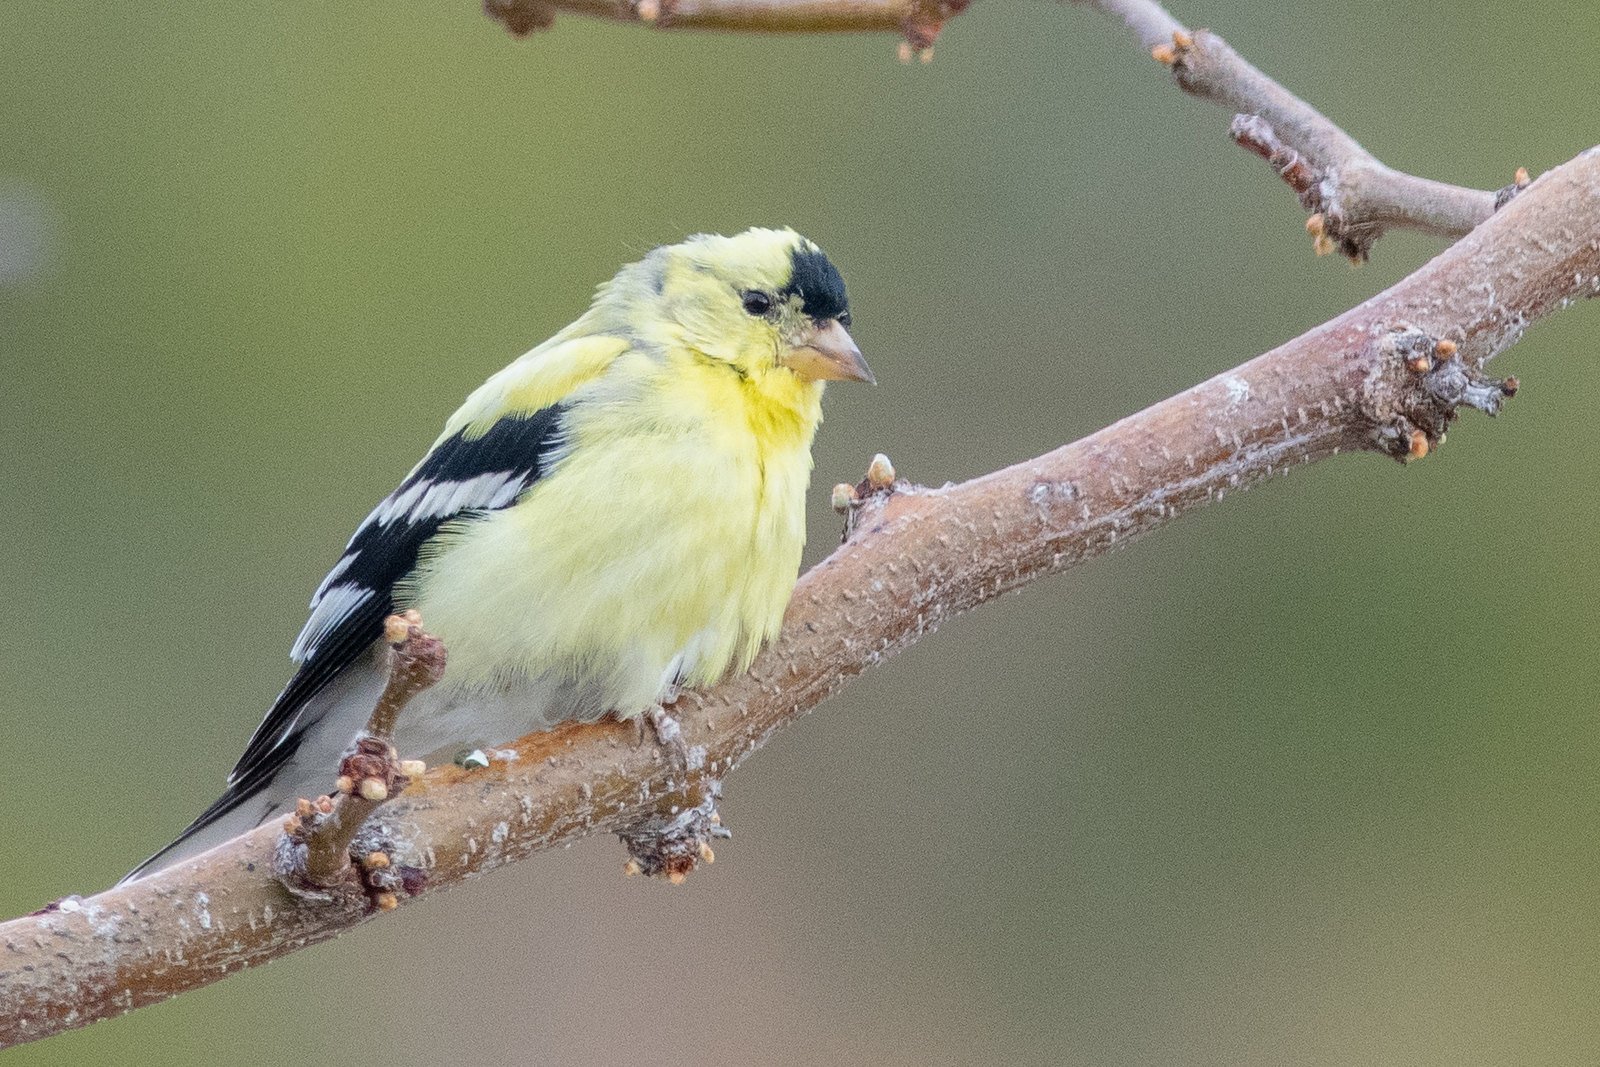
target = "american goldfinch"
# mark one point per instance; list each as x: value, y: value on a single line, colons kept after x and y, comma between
x: 618, y: 512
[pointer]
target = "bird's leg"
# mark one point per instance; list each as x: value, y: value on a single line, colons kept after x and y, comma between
x: 668, y: 734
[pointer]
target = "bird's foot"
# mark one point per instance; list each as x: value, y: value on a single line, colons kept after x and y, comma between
x: 668, y: 735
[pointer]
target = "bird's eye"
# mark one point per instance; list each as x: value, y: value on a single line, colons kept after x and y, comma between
x: 756, y: 302
x: 844, y: 318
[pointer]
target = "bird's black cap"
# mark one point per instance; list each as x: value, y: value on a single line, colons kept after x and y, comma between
x: 817, y: 282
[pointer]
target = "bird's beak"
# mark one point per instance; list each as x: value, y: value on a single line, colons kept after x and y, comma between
x: 827, y: 353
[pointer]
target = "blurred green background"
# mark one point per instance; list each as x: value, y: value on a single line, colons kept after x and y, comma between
x: 1307, y: 778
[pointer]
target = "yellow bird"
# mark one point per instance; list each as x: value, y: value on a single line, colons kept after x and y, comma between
x: 617, y: 513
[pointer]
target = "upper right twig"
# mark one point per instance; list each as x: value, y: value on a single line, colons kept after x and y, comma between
x: 1351, y: 195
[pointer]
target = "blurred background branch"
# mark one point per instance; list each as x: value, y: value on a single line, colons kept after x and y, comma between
x: 1352, y: 197
x: 919, y: 20
x: 1386, y: 376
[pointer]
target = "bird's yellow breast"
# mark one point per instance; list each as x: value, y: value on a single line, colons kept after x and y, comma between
x: 666, y: 536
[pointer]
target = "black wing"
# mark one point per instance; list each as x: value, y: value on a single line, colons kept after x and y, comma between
x: 462, y: 477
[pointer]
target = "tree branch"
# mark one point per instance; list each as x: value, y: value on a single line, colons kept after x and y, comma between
x: 1386, y: 376
x: 313, y: 858
x: 1352, y: 196
x: 919, y: 21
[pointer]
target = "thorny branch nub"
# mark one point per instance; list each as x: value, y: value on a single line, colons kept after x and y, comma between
x: 1329, y: 227
x: 673, y: 844
x: 1434, y: 383
x: 859, y: 503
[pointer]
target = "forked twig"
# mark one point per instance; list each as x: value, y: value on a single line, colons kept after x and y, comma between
x: 1351, y: 195
x: 313, y: 857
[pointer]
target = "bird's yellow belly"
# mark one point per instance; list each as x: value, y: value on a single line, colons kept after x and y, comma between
x: 646, y: 558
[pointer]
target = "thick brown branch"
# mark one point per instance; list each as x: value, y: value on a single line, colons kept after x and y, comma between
x: 1384, y: 376
x: 1352, y: 196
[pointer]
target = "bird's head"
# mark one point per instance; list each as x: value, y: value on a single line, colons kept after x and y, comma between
x: 762, y: 301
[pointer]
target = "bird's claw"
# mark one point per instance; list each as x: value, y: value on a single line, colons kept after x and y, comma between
x: 668, y: 735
